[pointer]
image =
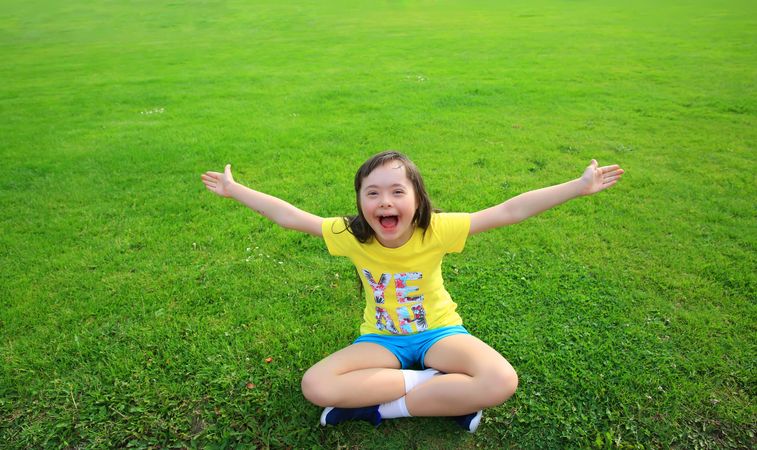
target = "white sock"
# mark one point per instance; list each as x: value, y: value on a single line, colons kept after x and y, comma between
x: 394, y: 409
x: 415, y: 377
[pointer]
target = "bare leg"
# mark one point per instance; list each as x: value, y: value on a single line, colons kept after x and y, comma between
x: 476, y: 377
x: 362, y: 374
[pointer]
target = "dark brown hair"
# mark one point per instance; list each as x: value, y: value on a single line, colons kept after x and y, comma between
x: 358, y: 225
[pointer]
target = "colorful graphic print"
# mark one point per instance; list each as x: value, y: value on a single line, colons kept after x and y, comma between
x: 384, y: 322
x: 420, y: 317
x: 400, y: 281
x: 406, y: 315
x: 378, y: 288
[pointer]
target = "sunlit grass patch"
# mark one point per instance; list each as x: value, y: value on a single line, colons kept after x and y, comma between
x: 136, y: 309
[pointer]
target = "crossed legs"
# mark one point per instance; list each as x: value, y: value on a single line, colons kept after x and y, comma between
x: 365, y: 374
x: 362, y: 374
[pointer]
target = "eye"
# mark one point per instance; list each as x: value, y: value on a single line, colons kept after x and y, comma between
x: 399, y: 192
x: 371, y: 193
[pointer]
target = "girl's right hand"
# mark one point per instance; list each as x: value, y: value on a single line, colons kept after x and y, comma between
x: 219, y: 183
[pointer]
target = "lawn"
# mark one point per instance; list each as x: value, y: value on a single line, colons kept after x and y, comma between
x: 139, y: 310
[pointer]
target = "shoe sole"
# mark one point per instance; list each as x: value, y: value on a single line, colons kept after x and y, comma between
x: 475, y: 421
x: 325, y: 413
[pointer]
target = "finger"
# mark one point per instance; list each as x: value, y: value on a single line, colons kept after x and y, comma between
x: 227, y: 170
x: 609, y: 168
x: 594, y: 163
x: 612, y: 180
x: 611, y: 172
x: 208, y: 179
x: 211, y: 175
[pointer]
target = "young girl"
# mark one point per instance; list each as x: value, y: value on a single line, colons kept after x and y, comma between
x: 397, y: 242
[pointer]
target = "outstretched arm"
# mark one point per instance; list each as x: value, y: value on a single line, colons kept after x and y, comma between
x: 520, y: 208
x: 275, y: 209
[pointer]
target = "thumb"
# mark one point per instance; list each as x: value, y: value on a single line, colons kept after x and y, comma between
x: 227, y: 170
x: 594, y: 163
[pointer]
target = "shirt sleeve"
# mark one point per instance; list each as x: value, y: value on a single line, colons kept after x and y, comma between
x: 451, y: 229
x: 338, y: 238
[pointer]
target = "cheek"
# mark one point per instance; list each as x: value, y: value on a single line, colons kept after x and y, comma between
x: 366, y: 208
x: 414, y: 211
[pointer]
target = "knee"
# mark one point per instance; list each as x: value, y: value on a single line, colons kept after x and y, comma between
x: 500, y: 384
x: 316, y: 389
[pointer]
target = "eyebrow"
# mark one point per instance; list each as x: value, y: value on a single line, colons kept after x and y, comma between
x: 374, y: 186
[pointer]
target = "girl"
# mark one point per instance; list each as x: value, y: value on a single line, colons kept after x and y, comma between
x: 397, y: 242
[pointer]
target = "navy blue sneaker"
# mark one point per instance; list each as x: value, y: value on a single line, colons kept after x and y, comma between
x: 335, y: 416
x: 469, y: 421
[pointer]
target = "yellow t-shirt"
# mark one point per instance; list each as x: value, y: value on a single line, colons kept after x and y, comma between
x: 404, y: 288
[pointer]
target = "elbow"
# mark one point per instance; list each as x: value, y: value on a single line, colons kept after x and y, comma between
x: 510, y: 215
x: 291, y: 222
x: 285, y: 222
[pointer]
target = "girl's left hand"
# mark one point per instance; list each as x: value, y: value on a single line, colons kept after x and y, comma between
x: 597, y: 178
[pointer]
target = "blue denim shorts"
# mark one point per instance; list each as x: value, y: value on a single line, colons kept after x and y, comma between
x: 410, y: 349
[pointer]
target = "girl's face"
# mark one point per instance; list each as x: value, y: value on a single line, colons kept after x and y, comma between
x: 388, y: 203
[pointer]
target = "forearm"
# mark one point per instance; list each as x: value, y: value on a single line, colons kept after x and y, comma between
x: 268, y: 206
x: 531, y: 203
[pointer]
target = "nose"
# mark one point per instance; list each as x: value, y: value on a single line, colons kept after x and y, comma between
x: 386, y: 200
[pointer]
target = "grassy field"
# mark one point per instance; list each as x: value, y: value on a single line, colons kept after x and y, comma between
x: 139, y: 310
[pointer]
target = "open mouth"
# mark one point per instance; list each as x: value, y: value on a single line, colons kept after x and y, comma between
x: 388, y: 222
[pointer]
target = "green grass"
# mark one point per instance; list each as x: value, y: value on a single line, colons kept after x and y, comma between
x: 139, y: 310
